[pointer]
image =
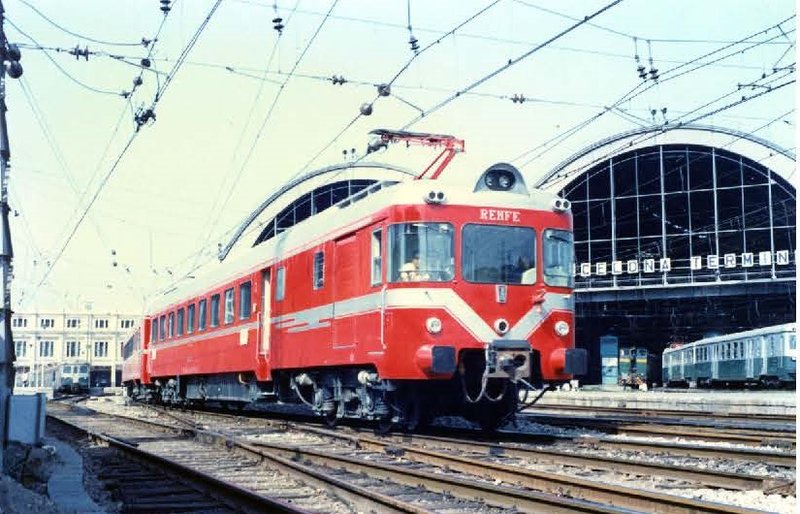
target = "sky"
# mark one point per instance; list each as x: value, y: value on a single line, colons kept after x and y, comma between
x: 107, y: 214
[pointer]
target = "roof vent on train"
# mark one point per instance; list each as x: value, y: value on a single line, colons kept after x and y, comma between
x: 502, y: 177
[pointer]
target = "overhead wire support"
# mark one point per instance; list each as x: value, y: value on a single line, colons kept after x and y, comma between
x: 512, y: 62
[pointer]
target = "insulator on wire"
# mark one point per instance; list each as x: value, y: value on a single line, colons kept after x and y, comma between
x: 518, y: 99
x: 414, y: 44
x: 78, y: 53
x: 384, y: 90
x: 653, y: 70
x: 365, y: 109
x: 338, y: 80
x: 165, y: 6
x: 277, y: 24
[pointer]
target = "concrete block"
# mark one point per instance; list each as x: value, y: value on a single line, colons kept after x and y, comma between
x: 26, y: 418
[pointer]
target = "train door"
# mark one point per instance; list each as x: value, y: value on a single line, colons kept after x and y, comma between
x: 346, y: 278
x: 716, y: 355
x: 266, y: 314
x: 748, y: 358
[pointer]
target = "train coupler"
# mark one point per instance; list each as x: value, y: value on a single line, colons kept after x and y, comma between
x: 509, y: 359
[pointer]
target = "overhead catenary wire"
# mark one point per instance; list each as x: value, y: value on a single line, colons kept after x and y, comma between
x: 118, y: 159
x: 49, y: 20
x: 264, y: 122
x: 639, y: 89
x: 511, y: 63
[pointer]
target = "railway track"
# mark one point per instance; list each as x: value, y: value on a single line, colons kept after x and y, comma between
x: 664, y: 413
x: 657, y: 428
x: 405, y: 460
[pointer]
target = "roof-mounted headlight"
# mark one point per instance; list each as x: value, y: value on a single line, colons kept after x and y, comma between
x: 499, y: 180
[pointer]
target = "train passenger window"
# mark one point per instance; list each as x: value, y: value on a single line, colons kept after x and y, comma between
x: 280, y: 284
x: 376, y: 257
x: 229, y: 306
x: 557, y: 255
x: 162, y: 327
x: 792, y: 342
x: 245, y: 300
x: 190, y: 319
x: 201, y: 316
x: 171, y: 324
x: 498, y: 254
x: 318, y: 279
x: 421, y: 252
x: 181, y: 317
x: 153, y: 329
x: 214, y: 311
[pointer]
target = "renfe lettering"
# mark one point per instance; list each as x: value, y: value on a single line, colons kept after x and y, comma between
x: 500, y: 215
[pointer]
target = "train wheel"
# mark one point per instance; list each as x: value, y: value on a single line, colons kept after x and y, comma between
x: 384, y: 425
x: 330, y: 419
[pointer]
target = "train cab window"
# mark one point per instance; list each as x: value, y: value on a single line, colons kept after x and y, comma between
x: 421, y: 252
x: 280, y: 284
x: 201, y: 315
x: 245, y: 300
x: 214, y: 322
x: 557, y: 256
x: 162, y: 328
x: 376, y: 258
x: 318, y: 279
x: 190, y: 310
x: 228, y: 306
x: 499, y: 254
x: 181, y: 319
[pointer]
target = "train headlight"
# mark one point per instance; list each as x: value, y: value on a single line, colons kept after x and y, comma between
x: 501, y: 326
x: 562, y: 328
x: 434, y: 325
x: 499, y: 180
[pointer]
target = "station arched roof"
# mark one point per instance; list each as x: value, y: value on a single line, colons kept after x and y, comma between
x: 304, y: 185
x: 757, y: 149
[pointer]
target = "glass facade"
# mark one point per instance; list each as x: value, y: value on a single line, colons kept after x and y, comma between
x: 676, y: 214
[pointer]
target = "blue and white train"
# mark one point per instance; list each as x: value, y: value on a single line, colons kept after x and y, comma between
x: 765, y: 356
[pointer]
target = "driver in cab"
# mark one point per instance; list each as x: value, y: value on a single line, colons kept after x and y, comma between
x: 410, y: 271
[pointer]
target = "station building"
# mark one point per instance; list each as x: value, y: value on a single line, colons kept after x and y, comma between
x: 679, y: 234
x: 43, y: 342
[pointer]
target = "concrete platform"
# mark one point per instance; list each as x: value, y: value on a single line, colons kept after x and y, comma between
x: 65, y: 487
x: 703, y: 400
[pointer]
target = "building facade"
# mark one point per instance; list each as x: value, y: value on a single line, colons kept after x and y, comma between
x: 43, y: 342
x: 680, y: 233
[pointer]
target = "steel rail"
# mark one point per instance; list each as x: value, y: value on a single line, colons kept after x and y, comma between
x: 573, y: 487
x: 661, y: 430
x: 359, y: 497
x: 213, y: 486
x: 731, y: 481
x: 653, y: 412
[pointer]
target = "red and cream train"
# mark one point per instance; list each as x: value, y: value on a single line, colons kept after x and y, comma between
x: 395, y: 298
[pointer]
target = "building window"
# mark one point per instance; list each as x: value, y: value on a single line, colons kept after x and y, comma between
x: 19, y: 322
x: 245, y: 300
x: 181, y: 316
x: 46, y: 348
x: 376, y: 257
x: 229, y: 306
x: 215, y: 310
x: 319, y: 270
x: 101, y: 349
x: 73, y: 323
x: 126, y: 323
x: 47, y: 322
x: 201, y: 316
x: 281, y: 284
x: 21, y: 348
x: 190, y: 319
x: 101, y: 323
x: 73, y: 349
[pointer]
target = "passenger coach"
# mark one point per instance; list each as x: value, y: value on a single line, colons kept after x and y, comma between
x: 403, y: 300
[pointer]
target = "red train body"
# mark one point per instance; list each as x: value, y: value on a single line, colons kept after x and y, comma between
x: 335, y: 311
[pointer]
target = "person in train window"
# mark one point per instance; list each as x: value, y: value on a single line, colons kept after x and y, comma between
x: 410, y: 271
